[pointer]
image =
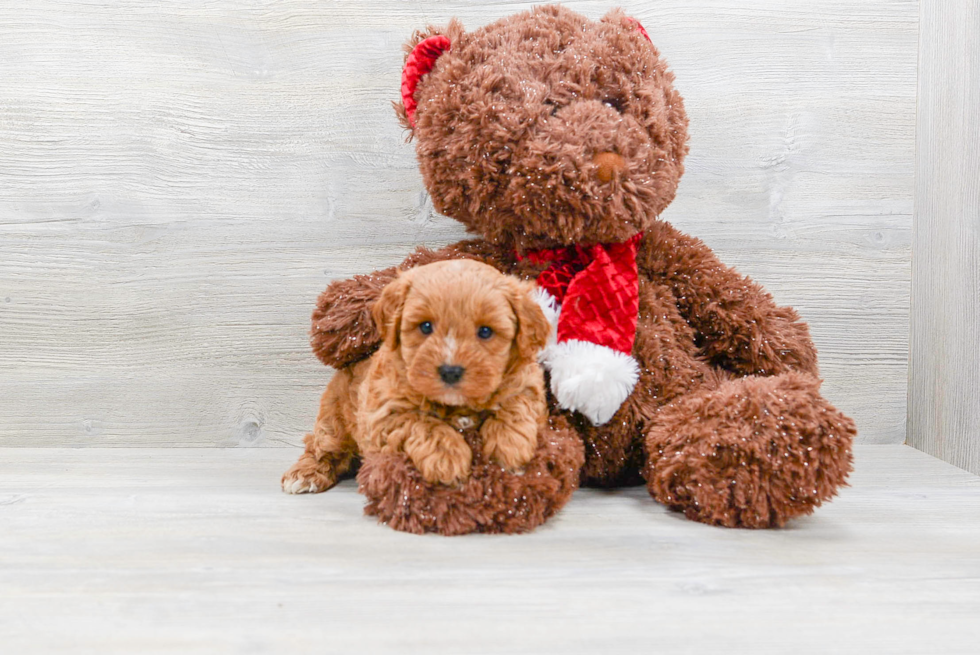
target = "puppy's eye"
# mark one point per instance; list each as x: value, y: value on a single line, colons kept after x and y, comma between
x: 484, y: 332
x: 425, y: 328
x: 615, y: 103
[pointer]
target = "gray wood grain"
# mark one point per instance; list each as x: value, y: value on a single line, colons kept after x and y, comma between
x: 146, y: 550
x: 944, y: 391
x: 178, y: 180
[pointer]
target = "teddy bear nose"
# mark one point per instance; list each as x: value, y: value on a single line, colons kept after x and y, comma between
x: 608, y: 163
x: 450, y: 374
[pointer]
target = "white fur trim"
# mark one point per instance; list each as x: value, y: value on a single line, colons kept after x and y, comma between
x: 591, y: 379
x: 551, y: 309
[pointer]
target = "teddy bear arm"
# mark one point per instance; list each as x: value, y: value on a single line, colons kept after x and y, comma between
x: 756, y: 337
x: 343, y: 330
x: 737, y: 324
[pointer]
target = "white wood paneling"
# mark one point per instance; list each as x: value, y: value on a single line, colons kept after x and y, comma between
x: 178, y: 180
x: 944, y: 391
x: 187, y: 551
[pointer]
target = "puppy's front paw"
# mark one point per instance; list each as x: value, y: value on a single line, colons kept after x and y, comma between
x: 511, y: 447
x: 307, y: 476
x: 440, y: 454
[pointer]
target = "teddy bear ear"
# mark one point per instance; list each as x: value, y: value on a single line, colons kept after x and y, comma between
x: 418, y: 63
x: 639, y: 26
x: 617, y: 15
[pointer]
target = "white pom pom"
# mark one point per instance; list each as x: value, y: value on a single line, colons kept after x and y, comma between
x: 588, y: 378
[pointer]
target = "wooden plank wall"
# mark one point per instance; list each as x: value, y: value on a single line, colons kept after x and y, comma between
x: 178, y: 180
x: 944, y: 390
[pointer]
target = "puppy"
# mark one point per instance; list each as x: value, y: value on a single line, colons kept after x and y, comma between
x: 459, y: 347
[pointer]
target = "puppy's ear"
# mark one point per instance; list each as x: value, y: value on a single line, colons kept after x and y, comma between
x: 532, y: 325
x: 387, y: 309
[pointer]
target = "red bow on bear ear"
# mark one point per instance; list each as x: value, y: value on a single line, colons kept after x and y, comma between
x: 420, y: 62
x: 639, y: 27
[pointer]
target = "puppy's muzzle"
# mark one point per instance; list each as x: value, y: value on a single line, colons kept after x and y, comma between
x: 450, y: 374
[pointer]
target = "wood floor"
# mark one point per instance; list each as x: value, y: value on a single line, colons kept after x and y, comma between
x: 197, y: 551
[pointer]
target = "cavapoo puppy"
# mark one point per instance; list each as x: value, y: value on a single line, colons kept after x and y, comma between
x: 459, y: 350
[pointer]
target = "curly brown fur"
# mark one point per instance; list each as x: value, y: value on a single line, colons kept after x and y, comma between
x: 460, y: 344
x: 545, y: 129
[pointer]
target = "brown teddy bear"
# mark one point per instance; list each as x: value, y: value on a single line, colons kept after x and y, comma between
x: 558, y: 141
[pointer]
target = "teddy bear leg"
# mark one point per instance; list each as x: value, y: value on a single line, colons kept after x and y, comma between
x: 492, y: 499
x: 330, y: 448
x: 751, y: 452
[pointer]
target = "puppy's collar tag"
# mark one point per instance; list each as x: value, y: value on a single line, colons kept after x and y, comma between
x: 469, y: 420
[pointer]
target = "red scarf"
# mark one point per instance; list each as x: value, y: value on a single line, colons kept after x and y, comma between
x: 597, y: 287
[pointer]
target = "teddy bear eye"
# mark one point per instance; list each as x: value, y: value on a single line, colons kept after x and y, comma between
x: 615, y: 103
x: 484, y: 332
x: 425, y: 328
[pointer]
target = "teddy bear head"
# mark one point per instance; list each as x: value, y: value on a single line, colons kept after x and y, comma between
x: 545, y: 128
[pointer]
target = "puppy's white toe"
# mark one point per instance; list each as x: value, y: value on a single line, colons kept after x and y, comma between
x: 298, y: 486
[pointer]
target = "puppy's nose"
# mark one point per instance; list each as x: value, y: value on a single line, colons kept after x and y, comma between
x: 608, y: 163
x: 450, y: 374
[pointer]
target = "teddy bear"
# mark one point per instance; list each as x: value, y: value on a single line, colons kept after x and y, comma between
x: 558, y: 142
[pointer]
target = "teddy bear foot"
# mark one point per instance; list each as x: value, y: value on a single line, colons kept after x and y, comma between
x: 491, y: 500
x: 752, y: 453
